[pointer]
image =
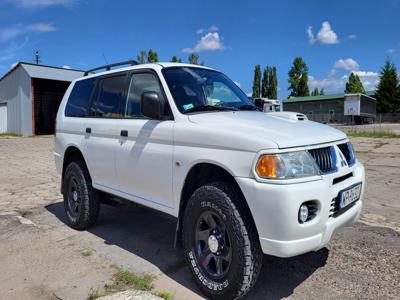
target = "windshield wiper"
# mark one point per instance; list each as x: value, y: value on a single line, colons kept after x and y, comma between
x: 249, y: 107
x: 209, y: 108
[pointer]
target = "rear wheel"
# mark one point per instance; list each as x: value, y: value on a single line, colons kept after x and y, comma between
x: 220, y: 241
x: 81, y: 200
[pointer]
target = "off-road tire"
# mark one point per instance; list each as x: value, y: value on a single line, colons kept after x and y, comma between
x: 88, y: 196
x: 225, y: 200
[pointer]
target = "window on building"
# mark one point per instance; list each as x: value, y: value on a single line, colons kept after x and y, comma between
x: 79, y: 98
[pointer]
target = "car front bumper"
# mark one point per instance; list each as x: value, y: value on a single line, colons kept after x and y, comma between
x: 275, y: 208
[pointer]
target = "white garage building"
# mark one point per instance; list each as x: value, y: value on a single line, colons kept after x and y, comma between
x: 30, y: 95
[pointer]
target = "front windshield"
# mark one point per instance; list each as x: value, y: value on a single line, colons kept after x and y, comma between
x: 197, y: 89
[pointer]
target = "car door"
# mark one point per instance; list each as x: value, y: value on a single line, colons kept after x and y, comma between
x: 144, y: 157
x: 102, y: 130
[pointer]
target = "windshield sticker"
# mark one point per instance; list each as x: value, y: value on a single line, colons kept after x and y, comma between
x: 188, y: 106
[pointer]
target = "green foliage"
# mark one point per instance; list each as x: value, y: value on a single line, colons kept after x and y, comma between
x: 269, y: 83
x: 322, y: 92
x: 142, y: 57
x: 315, y: 92
x: 165, y: 295
x: 194, y: 59
x: 373, y: 134
x: 257, y: 81
x: 388, y: 91
x: 298, y: 79
x: 86, y: 253
x: 354, y: 85
x: 122, y: 281
x: 9, y: 134
x: 176, y: 59
x: 152, y: 56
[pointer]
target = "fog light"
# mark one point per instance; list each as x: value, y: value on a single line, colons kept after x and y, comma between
x: 303, y: 213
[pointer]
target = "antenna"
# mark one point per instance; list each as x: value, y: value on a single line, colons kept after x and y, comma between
x: 37, y: 57
x: 105, y: 59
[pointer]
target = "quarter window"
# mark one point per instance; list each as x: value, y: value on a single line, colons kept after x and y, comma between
x: 79, y: 98
x: 109, y: 99
x: 140, y: 83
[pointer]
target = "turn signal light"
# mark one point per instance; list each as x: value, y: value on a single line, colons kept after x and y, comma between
x: 266, y: 166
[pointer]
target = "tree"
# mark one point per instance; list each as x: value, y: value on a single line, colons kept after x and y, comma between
x: 152, y: 56
x: 142, y: 57
x: 257, y: 81
x: 176, y: 59
x: 354, y: 85
x: 265, y: 83
x: 298, y: 78
x: 315, y: 92
x: 322, y: 92
x: 388, y: 91
x: 273, y: 84
x: 194, y: 59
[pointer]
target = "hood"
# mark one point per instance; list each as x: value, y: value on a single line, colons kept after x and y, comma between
x: 286, y: 133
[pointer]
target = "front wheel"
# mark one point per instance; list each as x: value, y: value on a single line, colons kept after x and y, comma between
x: 220, y: 241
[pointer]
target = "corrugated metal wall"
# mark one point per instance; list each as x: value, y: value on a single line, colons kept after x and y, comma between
x: 15, y: 90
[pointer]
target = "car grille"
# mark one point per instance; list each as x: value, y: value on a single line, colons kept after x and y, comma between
x: 335, y: 209
x: 348, y: 153
x: 325, y: 159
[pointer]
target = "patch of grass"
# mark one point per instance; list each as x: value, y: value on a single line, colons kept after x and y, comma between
x: 9, y: 134
x: 165, y: 295
x: 373, y: 134
x: 86, y: 253
x: 122, y: 281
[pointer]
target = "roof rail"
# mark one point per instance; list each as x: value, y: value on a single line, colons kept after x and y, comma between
x: 108, y: 67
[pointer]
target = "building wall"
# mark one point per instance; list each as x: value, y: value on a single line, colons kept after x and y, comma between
x: 15, y: 90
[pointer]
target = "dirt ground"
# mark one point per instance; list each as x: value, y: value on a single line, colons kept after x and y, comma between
x: 41, y: 257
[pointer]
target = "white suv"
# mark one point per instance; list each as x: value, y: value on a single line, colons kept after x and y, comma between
x: 185, y: 140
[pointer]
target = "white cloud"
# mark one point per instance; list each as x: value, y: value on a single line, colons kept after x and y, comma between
x: 42, y: 27
x: 369, y: 79
x: 66, y: 67
x: 12, y: 32
x: 10, y: 51
x: 237, y: 83
x: 14, y: 64
x: 390, y: 51
x: 325, y: 35
x: 352, y: 37
x: 347, y: 64
x: 212, y: 28
x: 209, y: 42
x: 41, y: 3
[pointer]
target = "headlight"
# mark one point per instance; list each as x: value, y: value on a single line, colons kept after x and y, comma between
x: 286, y: 165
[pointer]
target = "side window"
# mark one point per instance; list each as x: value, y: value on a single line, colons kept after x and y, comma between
x: 79, y: 98
x: 109, y: 99
x: 140, y: 83
x: 218, y: 91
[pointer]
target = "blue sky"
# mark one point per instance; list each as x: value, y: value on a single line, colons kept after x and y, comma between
x: 333, y: 37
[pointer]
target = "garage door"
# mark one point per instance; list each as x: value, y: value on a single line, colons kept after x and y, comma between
x: 3, y: 117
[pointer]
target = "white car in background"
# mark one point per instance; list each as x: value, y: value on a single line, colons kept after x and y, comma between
x: 185, y: 140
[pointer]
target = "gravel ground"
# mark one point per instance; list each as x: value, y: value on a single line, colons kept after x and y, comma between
x: 41, y: 257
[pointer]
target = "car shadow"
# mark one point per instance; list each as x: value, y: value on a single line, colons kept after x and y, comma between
x: 149, y: 234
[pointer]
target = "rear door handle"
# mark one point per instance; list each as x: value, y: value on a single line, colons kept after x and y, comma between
x: 88, y: 130
x: 124, y: 133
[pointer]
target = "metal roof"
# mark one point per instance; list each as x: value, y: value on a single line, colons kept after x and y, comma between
x: 46, y: 72
x: 324, y: 97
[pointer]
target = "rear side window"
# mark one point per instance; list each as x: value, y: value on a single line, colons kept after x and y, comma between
x: 109, y: 100
x: 79, y: 98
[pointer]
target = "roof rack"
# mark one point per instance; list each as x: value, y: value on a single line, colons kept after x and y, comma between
x: 108, y: 67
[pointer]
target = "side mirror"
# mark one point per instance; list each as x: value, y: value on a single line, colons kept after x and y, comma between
x: 152, y: 105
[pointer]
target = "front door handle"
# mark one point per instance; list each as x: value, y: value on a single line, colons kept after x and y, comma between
x: 88, y: 130
x: 124, y: 133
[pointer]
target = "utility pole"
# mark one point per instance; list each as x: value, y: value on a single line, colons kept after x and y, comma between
x: 37, y: 57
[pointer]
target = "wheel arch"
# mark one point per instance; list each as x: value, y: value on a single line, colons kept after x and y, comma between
x: 72, y: 153
x: 200, y: 174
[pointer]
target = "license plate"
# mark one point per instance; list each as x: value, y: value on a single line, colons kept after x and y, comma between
x: 350, y: 195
